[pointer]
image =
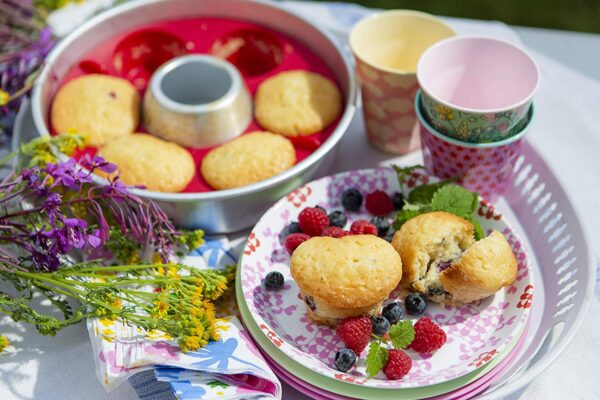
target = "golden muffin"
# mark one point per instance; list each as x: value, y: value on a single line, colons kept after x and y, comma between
x: 250, y: 158
x: 441, y: 259
x: 147, y: 160
x: 297, y: 103
x: 99, y: 106
x: 345, y: 277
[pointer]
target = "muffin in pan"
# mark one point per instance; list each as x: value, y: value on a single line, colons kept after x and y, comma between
x: 146, y: 160
x: 345, y: 277
x: 442, y: 260
x: 99, y: 106
x: 297, y: 103
x: 247, y: 159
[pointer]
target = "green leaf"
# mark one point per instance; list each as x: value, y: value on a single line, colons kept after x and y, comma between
x: 479, y: 232
x: 475, y: 204
x: 217, y: 384
x: 455, y: 200
x: 424, y: 193
x: 376, y: 359
x: 405, y: 215
x: 402, y: 334
x: 403, y: 172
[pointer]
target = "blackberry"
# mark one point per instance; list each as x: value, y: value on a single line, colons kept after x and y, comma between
x: 352, y: 199
x: 274, y: 280
x: 381, y: 325
x: 382, y: 224
x: 337, y: 218
x: 398, y: 201
x: 415, y: 304
x: 344, y: 359
x: 293, y: 227
x: 393, y: 312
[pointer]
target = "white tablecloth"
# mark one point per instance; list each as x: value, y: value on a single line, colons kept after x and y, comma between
x: 566, y: 134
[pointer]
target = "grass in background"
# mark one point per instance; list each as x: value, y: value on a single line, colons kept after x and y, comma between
x: 574, y: 15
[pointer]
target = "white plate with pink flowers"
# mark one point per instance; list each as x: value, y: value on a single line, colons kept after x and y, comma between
x: 476, y: 333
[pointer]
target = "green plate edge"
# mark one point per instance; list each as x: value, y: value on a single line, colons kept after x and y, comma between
x: 347, y: 388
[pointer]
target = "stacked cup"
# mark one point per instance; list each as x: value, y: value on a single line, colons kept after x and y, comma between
x: 474, y: 109
x: 387, y: 46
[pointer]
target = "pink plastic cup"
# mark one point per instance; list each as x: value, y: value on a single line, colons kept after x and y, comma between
x: 477, y: 89
x: 486, y: 168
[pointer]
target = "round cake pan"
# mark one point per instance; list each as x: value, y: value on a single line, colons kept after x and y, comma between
x: 221, y: 211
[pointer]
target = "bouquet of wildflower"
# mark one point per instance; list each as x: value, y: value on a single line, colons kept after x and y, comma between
x: 66, y: 239
x: 24, y: 43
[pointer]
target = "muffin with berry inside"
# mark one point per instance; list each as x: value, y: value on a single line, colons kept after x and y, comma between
x: 345, y: 277
x: 442, y: 260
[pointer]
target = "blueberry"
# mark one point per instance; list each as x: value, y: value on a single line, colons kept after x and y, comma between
x: 274, y: 280
x: 293, y: 227
x: 322, y: 209
x: 344, y: 360
x: 398, y: 201
x: 392, y: 312
x: 337, y: 218
x: 381, y: 325
x: 352, y: 199
x: 415, y: 304
x: 382, y: 224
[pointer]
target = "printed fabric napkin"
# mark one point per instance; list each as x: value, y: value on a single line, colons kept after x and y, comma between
x: 231, y: 368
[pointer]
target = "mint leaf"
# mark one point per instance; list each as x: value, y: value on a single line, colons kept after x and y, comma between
x: 405, y: 215
x: 479, y: 233
x: 376, y: 359
x: 424, y: 193
x: 475, y: 204
x: 402, y: 334
x: 403, y: 172
x: 455, y: 200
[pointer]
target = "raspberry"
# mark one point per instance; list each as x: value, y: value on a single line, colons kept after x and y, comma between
x: 355, y: 332
x: 294, y: 240
x: 398, y: 364
x: 335, y: 232
x: 428, y: 336
x: 363, y: 227
x: 312, y: 221
x: 379, y: 203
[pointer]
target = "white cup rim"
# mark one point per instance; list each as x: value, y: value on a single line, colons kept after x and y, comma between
x: 443, y: 42
x: 374, y: 16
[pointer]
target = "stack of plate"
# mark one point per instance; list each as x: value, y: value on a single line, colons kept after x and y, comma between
x: 484, y: 338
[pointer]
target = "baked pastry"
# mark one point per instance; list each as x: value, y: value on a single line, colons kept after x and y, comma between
x: 297, y: 103
x: 247, y: 159
x: 99, y: 106
x: 345, y: 277
x: 147, y: 160
x: 442, y: 260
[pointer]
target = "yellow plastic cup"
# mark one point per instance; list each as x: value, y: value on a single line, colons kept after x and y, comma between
x: 387, y: 47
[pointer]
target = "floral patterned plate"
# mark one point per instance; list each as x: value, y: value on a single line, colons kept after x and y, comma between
x: 477, y: 333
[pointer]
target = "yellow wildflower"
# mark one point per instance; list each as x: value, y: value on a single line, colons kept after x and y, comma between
x: 4, y: 343
x: 4, y: 97
x: 189, y: 343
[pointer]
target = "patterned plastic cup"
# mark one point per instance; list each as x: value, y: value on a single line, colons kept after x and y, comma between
x: 387, y: 47
x: 486, y: 168
x: 477, y: 89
